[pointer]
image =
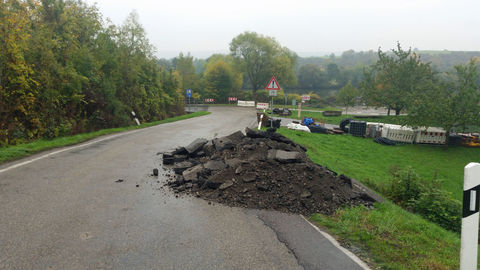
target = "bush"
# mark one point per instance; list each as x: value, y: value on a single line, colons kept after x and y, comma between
x: 425, y: 198
x: 405, y: 187
x: 438, y: 206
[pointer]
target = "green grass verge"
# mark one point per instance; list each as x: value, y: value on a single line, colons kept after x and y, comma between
x: 369, y: 162
x: 392, y: 237
x: 22, y: 150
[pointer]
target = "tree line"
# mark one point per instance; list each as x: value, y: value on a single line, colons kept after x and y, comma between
x: 402, y: 82
x: 63, y: 70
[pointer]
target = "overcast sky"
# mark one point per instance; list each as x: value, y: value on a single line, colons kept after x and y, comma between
x: 308, y: 27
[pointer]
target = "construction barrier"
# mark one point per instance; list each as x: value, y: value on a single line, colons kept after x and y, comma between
x: 262, y: 106
x: 431, y: 135
x: 398, y: 133
x: 243, y: 103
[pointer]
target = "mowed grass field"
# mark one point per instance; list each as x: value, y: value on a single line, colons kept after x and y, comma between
x: 318, y: 117
x: 392, y: 237
x: 13, y: 152
x: 367, y: 161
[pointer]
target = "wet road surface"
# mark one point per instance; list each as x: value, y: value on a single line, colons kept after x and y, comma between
x: 66, y: 211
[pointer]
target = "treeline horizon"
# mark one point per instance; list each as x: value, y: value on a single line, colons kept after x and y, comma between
x: 327, y: 74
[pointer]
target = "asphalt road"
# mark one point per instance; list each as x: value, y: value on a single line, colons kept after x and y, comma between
x: 65, y: 210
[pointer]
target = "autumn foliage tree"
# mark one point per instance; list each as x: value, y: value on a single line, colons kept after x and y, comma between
x: 63, y: 70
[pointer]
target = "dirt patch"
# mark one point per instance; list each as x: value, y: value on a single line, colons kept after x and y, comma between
x: 261, y: 170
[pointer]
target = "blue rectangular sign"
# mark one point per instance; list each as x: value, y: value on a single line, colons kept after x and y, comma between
x: 189, y: 93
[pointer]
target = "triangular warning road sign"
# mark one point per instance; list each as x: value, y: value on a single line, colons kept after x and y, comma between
x: 273, y: 84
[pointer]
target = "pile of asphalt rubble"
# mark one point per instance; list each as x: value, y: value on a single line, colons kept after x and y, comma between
x: 261, y: 170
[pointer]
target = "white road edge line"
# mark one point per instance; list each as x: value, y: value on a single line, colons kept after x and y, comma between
x: 337, y: 245
x: 69, y: 148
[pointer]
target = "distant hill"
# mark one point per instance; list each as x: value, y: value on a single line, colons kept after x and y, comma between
x: 440, y: 60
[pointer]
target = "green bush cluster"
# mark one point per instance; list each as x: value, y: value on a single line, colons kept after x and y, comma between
x: 424, y: 197
x: 64, y: 70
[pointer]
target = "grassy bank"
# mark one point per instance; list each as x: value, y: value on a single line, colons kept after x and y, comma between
x: 392, y: 237
x: 22, y: 150
x: 369, y: 162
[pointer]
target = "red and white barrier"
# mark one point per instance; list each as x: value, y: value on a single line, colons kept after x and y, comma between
x: 262, y: 106
x: 432, y: 135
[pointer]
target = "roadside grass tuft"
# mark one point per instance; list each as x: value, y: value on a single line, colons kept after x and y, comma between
x: 22, y: 150
x: 394, y: 238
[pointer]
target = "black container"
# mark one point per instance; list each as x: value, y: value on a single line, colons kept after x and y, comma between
x: 358, y: 128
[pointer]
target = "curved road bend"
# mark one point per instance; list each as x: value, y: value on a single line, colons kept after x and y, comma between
x: 64, y: 210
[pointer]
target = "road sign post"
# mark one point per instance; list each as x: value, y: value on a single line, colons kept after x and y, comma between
x: 189, y: 95
x: 272, y: 88
x: 469, y: 238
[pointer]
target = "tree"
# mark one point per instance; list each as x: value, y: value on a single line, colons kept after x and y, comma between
x: 63, y: 71
x: 397, y: 77
x: 17, y: 88
x: 312, y: 77
x: 347, y: 96
x: 218, y: 80
x: 184, y: 66
x: 230, y: 67
x: 261, y: 57
x: 452, y: 104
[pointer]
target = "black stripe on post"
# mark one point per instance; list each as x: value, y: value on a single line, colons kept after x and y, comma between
x: 466, y: 201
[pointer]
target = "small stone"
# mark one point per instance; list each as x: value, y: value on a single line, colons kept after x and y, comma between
x: 226, y: 185
x: 239, y: 170
x: 287, y: 157
x: 180, y: 158
x: 306, y: 194
x: 233, y: 162
x: 200, y: 154
x: 196, y: 145
x: 249, y: 177
x: 155, y: 172
x: 223, y: 144
x: 215, y: 165
x: 167, y: 154
x: 180, y: 151
x: 119, y: 181
x: 191, y: 174
x: 168, y: 161
x: 182, y: 166
x: 263, y: 187
x: 137, y: 185
x: 249, y: 147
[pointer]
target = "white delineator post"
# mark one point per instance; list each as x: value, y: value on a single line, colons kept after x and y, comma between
x: 260, y: 123
x: 136, y: 119
x: 471, y: 190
